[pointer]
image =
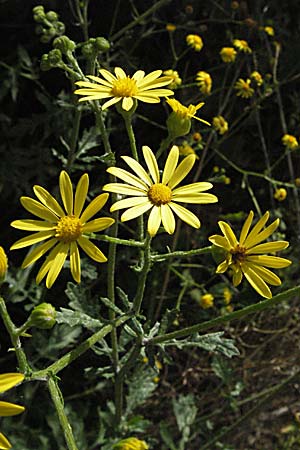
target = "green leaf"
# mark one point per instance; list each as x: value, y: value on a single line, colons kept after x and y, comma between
x: 73, y: 318
x: 221, y: 368
x: 166, y: 436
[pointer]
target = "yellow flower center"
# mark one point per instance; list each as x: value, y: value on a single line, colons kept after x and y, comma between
x: 238, y: 254
x: 159, y: 194
x: 68, y: 229
x: 124, y: 87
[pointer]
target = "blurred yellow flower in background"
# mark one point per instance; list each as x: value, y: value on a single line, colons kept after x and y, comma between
x: 228, y: 54
x: 280, y: 194
x: 176, y: 81
x: 243, y: 88
x: 289, y: 141
x: 242, y: 45
x: 207, y: 301
x: 220, y: 124
x: 194, y: 41
x: 204, y: 82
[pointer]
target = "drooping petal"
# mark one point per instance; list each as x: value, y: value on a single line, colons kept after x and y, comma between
x: 49, y: 261
x: 66, y: 191
x: 37, y: 209
x: 193, y: 188
x: 274, y: 262
x: 222, y: 267
x: 110, y: 102
x: 136, y: 211
x: 10, y: 409
x: 9, y: 380
x: 80, y: 194
x: 237, y: 277
x: 94, y: 207
x: 251, y: 241
x: 256, y: 229
x: 128, y: 203
x: 91, y: 250
x: 38, y: 252
x: 126, y: 189
x: 246, y: 227
x: 75, y: 262
x: 4, y: 443
x: 48, y: 200
x: 127, y: 103
x: 154, y: 220
x: 93, y: 96
x: 182, y: 170
x: 33, y: 225
x: 127, y: 177
x: 32, y: 239
x: 268, y: 247
x: 256, y: 282
x: 62, y: 251
x: 228, y: 233
x: 185, y: 215
x: 97, y: 225
x: 220, y: 241
x: 266, y: 274
x: 197, y: 198
x: 138, y: 169
x: 151, y: 163
x: 171, y: 164
x: 167, y: 218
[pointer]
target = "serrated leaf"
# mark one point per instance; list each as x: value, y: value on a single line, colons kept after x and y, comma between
x: 73, y: 318
x: 185, y: 411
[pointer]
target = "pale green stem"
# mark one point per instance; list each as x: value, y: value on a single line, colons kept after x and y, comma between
x: 57, y: 399
x: 128, y: 243
x: 181, y: 254
x: 15, y: 339
x: 258, y: 307
x: 74, y: 138
x: 143, y: 276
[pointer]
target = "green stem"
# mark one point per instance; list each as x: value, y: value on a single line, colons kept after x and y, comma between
x: 258, y: 307
x: 57, y: 399
x: 67, y: 359
x: 143, y: 276
x: 128, y: 243
x: 101, y: 125
x: 15, y: 339
x: 181, y: 254
x: 74, y: 138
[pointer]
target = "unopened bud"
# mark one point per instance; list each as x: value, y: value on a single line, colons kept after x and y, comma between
x: 45, y: 65
x: 52, y: 16
x: 54, y: 57
x: 64, y: 44
x: 178, y: 126
x: 43, y: 316
x: 102, y: 44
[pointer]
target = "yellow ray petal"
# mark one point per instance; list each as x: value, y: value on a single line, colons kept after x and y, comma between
x: 4, y: 443
x: 185, y: 215
x: 92, y: 96
x: 10, y: 409
x: 94, y: 207
x: 197, y: 198
x: 127, y: 103
x: 126, y: 189
x: 251, y: 241
x: 111, y: 102
x: 97, y: 225
x: 38, y: 252
x: 138, y: 169
x: 222, y: 267
x: 266, y: 274
x: 66, y: 191
x: 120, y: 73
x: 9, y: 380
x: 149, y: 78
x: 33, y: 239
x: 127, y: 177
x: 220, y: 241
x: 147, y: 98
x: 246, y: 227
x: 48, y: 200
x: 228, y: 233
x: 168, y: 219
x: 171, y: 164
x: 182, y: 170
x: 33, y: 225
x: 193, y: 188
x: 257, y: 228
x: 256, y: 281
x: 274, y: 262
x: 129, y: 202
x: 151, y: 163
x: 37, y: 209
x: 268, y: 247
x: 108, y: 75
x: 75, y: 262
x: 46, y: 265
x: 62, y: 251
x: 91, y: 250
x: 138, y: 76
x: 154, y: 220
x: 237, y: 277
x: 80, y: 194
x: 136, y: 211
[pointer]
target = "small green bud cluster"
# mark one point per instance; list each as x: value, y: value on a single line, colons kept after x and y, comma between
x: 93, y: 46
x: 48, y: 24
x: 51, y: 59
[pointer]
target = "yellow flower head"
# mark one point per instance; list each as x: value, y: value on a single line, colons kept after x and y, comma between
x: 228, y: 54
x: 121, y: 88
x: 158, y: 194
x: 195, y: 41
x: 242, y: 45
x: 269, y: 30
x: 227, y: 295
x: 7, y: 381
x: 243, y: 88
x: 246, y: 256
x: 170, y: 27
x: 174, y: 76
x: 185, y: 112
x: 207, y: 301
x: 220, y: 124
x: 204, y: 82
x: 280, y: 194
x: 185, y: 149
x: 131, y: 443
x: 256, y: 76
x: 63, y: 230
x: 290, y: 141
x: 3, y: 264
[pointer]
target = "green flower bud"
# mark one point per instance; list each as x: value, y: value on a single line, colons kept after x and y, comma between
x: 45, y: 38
x: 52, y: 16
x: 88, y: 50
x: 64, y: 44
x: 54, y: 57
x: 3, y: 265
x: 38, y: 13
x: 102, y: 44
x: 45, y: 65
x: 178, y: 126
x: 43, y: 316
x: 60, y: 28
x: 51, y: 32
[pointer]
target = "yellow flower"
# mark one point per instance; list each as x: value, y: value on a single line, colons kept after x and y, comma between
x: 269, y: 30
x: 220, y: 124
x: 175, y: 78
x: 7, y: 381
x: 170, y: 27
x: 242, y: 45
x: 290, y: 141
x: 204, y: 82
x: 280, y: 194
x: 195, y: 41
x: 185, y: 149
x: 256, y: 76
x: 131, y: 443
x: 227, y: 294
x: 62, y: 231
x: 185, y: 112
x: 160, y: 195
x: 228, y: 54
x: 122, y: 88
x: 243, y: 88
x: 246, y: 255
x: 3, y: 265
x: 207, y: 301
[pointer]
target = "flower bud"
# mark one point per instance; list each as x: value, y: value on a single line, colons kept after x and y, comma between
x: 43, y: 316
x: 45, y: 65
x: 60, y: 28
x: 102, y: 44
x: 64, y: 44
x: 3, y: 265
x: 54, y: 57
x: 131, y: 443
x: 52, y: 16
x: 38, y: 13
x: 88, y: 50
x: 178, y: 126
